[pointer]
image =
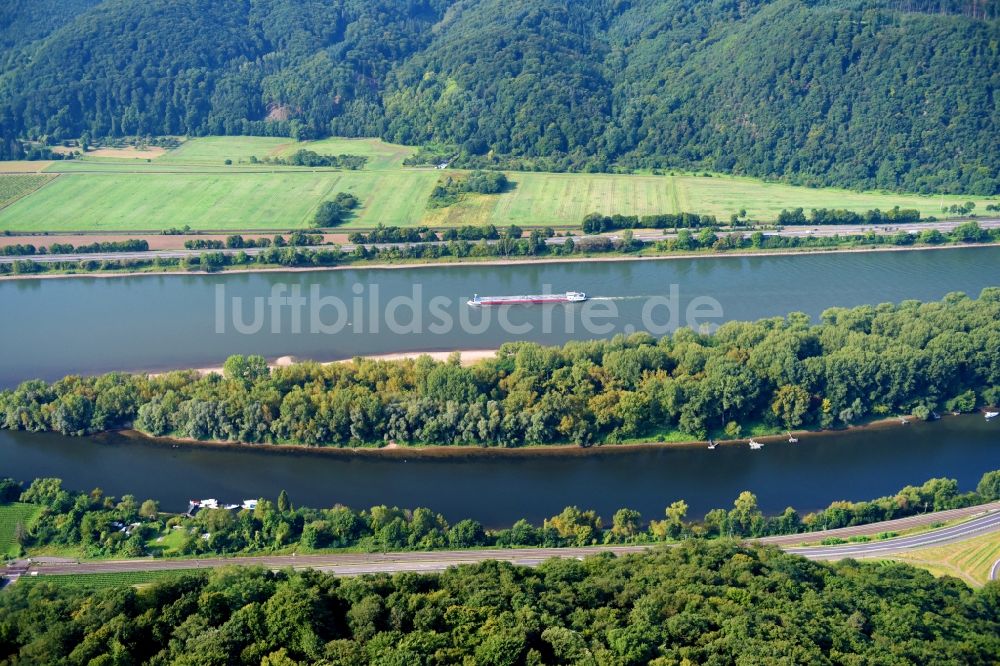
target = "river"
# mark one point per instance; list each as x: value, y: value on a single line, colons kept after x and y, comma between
x: 53, y: 327
x: 497, y: 488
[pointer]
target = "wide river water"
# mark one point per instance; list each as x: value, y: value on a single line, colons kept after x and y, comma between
x: 52, y: 327
x: 497, y: 488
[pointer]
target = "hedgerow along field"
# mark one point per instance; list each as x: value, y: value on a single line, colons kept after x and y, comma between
x: 10, y: 515
x: 191, y: 185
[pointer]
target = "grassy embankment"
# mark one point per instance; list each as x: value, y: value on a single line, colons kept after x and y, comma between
x: 970, y: 560
x: 192, y: 185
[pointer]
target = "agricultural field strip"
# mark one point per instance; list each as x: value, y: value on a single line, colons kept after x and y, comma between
x: 17, y: 186
x: 123, y: 202
x: 390, y: 194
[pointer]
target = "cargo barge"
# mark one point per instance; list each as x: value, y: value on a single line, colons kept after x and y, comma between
x: 533, y: 299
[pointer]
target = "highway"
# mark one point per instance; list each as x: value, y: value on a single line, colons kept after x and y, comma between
x: 897, y: 525
x: 937, y: 537
x: 982, y: 519
x: 644, y: 236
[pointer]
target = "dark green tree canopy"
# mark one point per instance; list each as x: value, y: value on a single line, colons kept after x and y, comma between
x: 696, y: 603
x: 880, y: 93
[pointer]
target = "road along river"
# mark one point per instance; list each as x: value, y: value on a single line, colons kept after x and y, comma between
x: 978, y: 521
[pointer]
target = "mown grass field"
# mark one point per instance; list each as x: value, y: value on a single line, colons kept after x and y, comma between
x: 105, y: 580
x: 724, y: 195
x: 109, y: 165
x: 15, y: 186
x: 970, y: 560
x: 218, y: 149
x: 380, y: 155
x: 387, y: 197
x: 157, y: 201
x: 191, y: 185
x: 154, y: 201
x: 562, y: 199
x: 10, y: 516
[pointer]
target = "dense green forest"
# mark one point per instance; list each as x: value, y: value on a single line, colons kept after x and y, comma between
x: 102, y: 526
x: 23, y: 22
x: 863, y: 93
x: 713, y: 603
x: 785, y: 372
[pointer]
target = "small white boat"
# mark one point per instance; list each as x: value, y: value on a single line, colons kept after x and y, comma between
x: 992, y: 415
x: 711, y: 445
x: 793, y: 440
x: 755, y: 445
x: 903, y: 422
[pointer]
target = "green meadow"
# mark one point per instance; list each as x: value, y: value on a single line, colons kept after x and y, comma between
x: 191, y: 185
x: 724, y: 195
x: 226, y: 201
x: 380, y: 155
x: 218, y: 149
x: 562, y: 199
x: 10, y: 516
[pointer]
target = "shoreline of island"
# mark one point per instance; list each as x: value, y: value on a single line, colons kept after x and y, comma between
x: 468, y: 357
x: 403, y: 452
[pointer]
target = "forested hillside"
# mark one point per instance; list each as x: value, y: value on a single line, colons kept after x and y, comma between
x: 25, y: 21
x: 201, y: 67
x: 895, y: 94
x: 697, y: 603
x: 823, y: 95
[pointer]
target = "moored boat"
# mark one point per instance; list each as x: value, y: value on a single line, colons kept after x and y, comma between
x: 529, y: 299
